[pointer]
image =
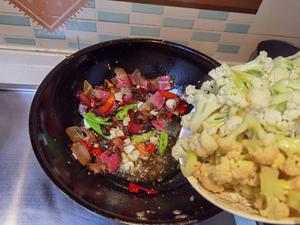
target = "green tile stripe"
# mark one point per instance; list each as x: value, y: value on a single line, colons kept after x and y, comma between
x: 53, y: 35
x: 146, y: 8
x: 81, y: 26
x: 180, y: 23
x: 145, y: 31
x: 108, y: 37
x: 213, y: 15
x: 205, y: 36
x: 237, y: 28
x: 19, y: 41
x: 113, y: 17
x: 234, y: 49
x: 14, y: 20
x: 75, y: 45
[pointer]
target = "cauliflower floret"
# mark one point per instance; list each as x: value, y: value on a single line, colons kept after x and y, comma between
x: 226, y: 96
x: 230, y: 124
x: 184, y: 144
x: 231, y: 170
x: 293, y: 100
x: 272, y: 116
x: 192, y: 93
x: 209, y: 86
x: 291, y: 114
x: 274, y: 122
x: 277, y: 210
x: 214, y: 122
x: 292, y: 111
x: 205, y: 106
x: 296, y: 183
x: 279, y: 161
x: 186, y: 120
x: 259, y: 98
x: 262, y: 63
x: 292, y: 165
x: 203, y: 174
x: 208, y: 143
x: 229, y: 142
x: 277, y: 74
x: 261, y: 153
x: 274, y: 191
x: 126, y: 164
x: 293, y: 200
x: 290, y: 146
x: 221, y: 74
x: 203, y: 144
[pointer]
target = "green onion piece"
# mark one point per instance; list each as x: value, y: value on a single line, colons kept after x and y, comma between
x: 96, y: 127
x: 163, y: 143
x: 121, y: 115
x: 143, y: 137
x: 123, y: 111
x: 97, y: 119
x: 87, y: 87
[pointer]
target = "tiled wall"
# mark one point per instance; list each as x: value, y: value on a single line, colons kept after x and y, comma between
x: 222, y: 35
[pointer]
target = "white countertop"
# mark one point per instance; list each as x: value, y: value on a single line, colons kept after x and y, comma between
x: 28, y: 65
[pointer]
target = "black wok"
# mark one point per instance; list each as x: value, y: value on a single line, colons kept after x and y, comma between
x: 55, y: 107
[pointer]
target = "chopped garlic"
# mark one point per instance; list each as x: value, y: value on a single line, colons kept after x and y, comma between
x: 153, y: 140
x: 127, y: 141
x: 129, y: 148
x: 134, y: 155
x: 127, y: 166
x: 116, y: 132
x: 171, y: 104
x: 126, y: 121
x: 139, y: 104
x: 118, y: 96
x: 153, y: 113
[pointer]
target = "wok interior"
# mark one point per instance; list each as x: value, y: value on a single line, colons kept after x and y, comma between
x: 55, y: 107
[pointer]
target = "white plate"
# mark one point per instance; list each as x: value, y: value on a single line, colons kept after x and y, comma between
x: 235, y: 204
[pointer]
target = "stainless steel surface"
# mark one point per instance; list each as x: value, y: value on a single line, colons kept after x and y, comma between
x: 27, y: 196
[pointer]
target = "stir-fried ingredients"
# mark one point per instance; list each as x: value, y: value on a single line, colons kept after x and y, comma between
x: 246, y: 134
x: 125, y: 127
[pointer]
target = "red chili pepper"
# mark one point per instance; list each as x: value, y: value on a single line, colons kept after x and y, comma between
x: 136, y: 188
x: 84, y: 99
x: 150, y: 148
x: 168, y: 94
x: 101, y: 110
x: 87, y: 144
x: 170, y: 114
x: 182, y: 107
x: 95, y: 151
x: 135, y: 128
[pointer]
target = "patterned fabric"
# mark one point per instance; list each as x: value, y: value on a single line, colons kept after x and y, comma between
x: 50, y: 14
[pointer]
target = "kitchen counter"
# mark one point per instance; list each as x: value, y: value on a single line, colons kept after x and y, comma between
x: 27, y: 196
